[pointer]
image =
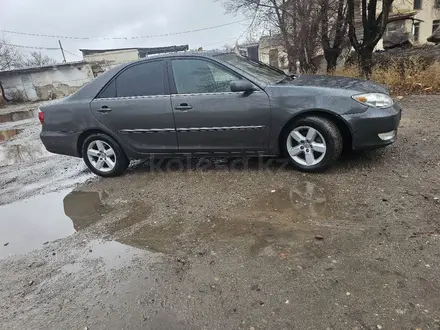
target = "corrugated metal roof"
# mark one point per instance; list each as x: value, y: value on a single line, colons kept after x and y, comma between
x: 43, y: 68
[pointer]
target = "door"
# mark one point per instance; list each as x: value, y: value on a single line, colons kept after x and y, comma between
x: 136, y: 107
x: 211, y: 118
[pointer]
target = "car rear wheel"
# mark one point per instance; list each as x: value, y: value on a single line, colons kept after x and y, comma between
x: 103, y: 155
x: 313, y: 143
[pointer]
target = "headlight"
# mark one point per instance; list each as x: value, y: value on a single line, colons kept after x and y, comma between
x: 377, y: 100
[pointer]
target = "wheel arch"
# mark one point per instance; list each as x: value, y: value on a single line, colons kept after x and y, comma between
x: 84, y: 135
x: 344, y: 128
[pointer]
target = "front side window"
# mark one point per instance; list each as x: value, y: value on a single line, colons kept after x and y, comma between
x: 193, y: 76
x: 259, y: 70
x: 143, y: 79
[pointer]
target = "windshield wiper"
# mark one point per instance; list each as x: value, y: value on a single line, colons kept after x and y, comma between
x: 288, y: 77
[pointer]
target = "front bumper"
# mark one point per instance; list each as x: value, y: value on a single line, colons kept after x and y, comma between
x: 64, y: 143
x: 370, y: 127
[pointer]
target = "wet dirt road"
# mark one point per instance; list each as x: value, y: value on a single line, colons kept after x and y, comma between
x: 230, y: 245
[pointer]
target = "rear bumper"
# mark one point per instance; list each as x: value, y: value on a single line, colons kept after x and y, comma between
x: 367, y: 126
x: 64, y: 143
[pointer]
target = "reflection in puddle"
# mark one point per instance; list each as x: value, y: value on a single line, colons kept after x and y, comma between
x: 9, y: 134
x: 26, y: 225
x: 280, y: 218
x: 305, y: 198
x: 183, y: 236
x: 84, y: 208
x: 13, y: 154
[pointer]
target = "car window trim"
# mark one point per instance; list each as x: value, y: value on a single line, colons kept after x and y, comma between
x: 172, y: 82
x: 113, y: 79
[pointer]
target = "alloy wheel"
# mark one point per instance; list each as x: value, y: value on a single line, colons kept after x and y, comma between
x: 306, y: 146
x: 101, y: 155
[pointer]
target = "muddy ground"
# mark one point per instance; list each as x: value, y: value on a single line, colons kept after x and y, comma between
x: 214, y: 244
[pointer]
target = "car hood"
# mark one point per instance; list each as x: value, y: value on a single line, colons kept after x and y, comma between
x: 363, y: 86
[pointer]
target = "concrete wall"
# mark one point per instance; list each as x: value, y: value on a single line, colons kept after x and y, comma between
x: 263, y: 55
x: 117, y: 56
x: 49, y: 83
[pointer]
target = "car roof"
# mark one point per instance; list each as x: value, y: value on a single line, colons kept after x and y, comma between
x: 183, y: 54
x: 90, y: 90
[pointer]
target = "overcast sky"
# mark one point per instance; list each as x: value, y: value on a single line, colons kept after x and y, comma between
x: 106, y: 18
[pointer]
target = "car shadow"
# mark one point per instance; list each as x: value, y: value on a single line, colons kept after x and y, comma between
x: 360, y: 159
x: 211, y: 164
x: 347, y: 162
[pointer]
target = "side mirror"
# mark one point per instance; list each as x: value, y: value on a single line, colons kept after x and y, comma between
x: 242, y: 86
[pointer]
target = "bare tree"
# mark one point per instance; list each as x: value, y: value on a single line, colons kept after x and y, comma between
x: 295, y: 20
x: 333, y: 31
x: 36, y: 59
x: 373, y: 27
x: 227, y: 48
x: 303, y: 25
x: 10, y: 58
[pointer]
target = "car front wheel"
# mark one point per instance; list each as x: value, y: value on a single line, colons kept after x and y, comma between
x: 313, y: 143
x: 103, y: 155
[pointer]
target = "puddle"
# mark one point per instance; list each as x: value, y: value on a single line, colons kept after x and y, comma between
x: 85, y: 208
x: 26, y: 225
x: 178, y: 235
x: 306, y: 198
x: 18, y: 153
x: 9, y: 134
x: 112, y: 254
x: 163, y: 238
x: 279, y: 218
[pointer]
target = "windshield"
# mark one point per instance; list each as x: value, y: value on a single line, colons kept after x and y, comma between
x: 259, y: 70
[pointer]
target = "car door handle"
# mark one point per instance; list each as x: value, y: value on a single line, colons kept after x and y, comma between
x: 104, y: 109
x: 183, y: 106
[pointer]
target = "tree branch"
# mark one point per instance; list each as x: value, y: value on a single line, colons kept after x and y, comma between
x: 382, y: 20
x: 351, y: 25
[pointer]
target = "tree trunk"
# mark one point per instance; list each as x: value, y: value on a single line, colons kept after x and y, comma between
x: 331, y: 56
x: 366, y: 62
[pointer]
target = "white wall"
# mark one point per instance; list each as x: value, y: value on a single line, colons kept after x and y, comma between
x: 46, y: 84
x: 263, y: 55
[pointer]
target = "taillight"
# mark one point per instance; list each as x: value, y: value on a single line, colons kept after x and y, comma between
x: 41, y: 116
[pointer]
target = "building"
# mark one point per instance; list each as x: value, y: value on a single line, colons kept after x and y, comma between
x: 123, y: 55
x: 248, y: 50
x: 416, y: 20
x: 425, y: 21
x: 47, y: 82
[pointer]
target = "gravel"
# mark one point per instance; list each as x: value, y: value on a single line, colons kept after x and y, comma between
x: 234, y: 246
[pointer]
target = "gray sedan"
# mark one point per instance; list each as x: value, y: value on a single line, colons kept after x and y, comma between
x: 224, y: 105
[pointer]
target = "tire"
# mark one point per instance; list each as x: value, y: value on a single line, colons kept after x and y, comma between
x: 100, y: 151
x: 313, y: 155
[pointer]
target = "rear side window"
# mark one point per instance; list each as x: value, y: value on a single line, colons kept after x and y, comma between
x: 141, y: 80
x: 109, y: 91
